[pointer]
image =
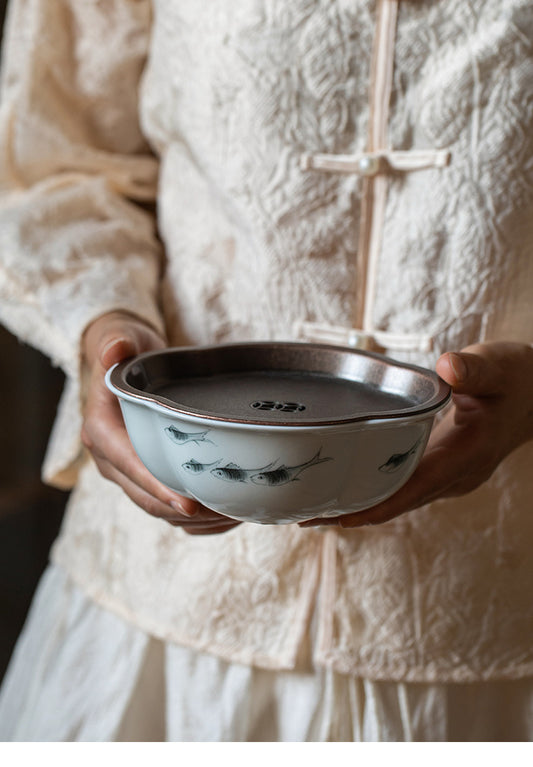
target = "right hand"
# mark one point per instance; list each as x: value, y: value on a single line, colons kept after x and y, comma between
x: 110, y: 339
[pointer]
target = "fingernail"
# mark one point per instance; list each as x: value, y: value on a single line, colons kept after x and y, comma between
x: 182, y: 509
x: 114, y: 341
x: 458, y: 366
x: 112, y: 351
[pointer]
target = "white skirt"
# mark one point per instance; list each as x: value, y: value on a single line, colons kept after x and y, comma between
x: 80, y: 673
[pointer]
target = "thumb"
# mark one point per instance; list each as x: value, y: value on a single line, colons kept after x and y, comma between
x: 118, y: 347
x: 114, y: 337
x: 469, y: 373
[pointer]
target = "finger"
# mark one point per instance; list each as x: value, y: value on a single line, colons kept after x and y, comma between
x: 432, y: 479
x: 123, y: 341
x: 106, y: 437
x: 194, y: 524
x: 206, y: 522
x: 118, y: 336
x: 439, y: 473
x: 125, y: 468
x: 210, y: 530
x: 472, y: 374
x: 148, y: 502
x: 116, y: 349
x: 204, y: 518
x: 199, y: 526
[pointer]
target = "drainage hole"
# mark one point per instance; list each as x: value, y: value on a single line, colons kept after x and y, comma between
x: 284, y: 407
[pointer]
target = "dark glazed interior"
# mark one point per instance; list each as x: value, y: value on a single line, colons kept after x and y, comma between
x: 280, y: 383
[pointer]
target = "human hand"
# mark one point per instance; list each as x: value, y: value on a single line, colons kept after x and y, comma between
x: 108, y: 340
x: 492, y: 414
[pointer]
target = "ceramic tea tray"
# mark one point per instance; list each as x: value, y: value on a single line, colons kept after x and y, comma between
x: 284, y: 384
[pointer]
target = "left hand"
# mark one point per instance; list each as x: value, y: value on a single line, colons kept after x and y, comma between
x: 492, y: 414
x: 111, y: 338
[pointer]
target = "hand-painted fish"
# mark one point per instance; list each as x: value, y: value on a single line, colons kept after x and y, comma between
x: 284, y: 474
x: 195, y: 467
x: 398, y: 459
x: 234, y: 473
x: 182, y: 437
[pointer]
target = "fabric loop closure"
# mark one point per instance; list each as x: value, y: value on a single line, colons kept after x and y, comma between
x: 363, y: 339
x: 372, y: 163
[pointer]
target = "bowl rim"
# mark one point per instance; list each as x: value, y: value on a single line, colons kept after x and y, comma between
x: 116, y: 376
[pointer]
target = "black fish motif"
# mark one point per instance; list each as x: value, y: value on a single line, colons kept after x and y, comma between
x: 182, y: 437
x: 398, y: 459
x: 266, y: 475
x: 234, y: 473
x: 195, y: 467
x: 284, y: 474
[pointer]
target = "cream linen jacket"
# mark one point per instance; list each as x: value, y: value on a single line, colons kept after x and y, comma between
x: 353, y: 170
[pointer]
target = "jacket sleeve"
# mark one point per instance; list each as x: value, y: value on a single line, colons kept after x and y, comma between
x: 77, y: 182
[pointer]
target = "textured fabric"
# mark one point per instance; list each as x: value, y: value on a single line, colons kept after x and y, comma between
x: 73, y: 671
x: 227, y: 594
x: 72, y: 158
x: 229, y: 101
x: 82, y: 674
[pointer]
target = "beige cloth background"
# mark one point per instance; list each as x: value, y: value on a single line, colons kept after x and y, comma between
x: 106, y: 107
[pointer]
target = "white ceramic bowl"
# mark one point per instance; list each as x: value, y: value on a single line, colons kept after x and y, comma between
x: 278, y: 432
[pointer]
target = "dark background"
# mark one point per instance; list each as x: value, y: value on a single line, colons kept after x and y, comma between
x: 30, y: 512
